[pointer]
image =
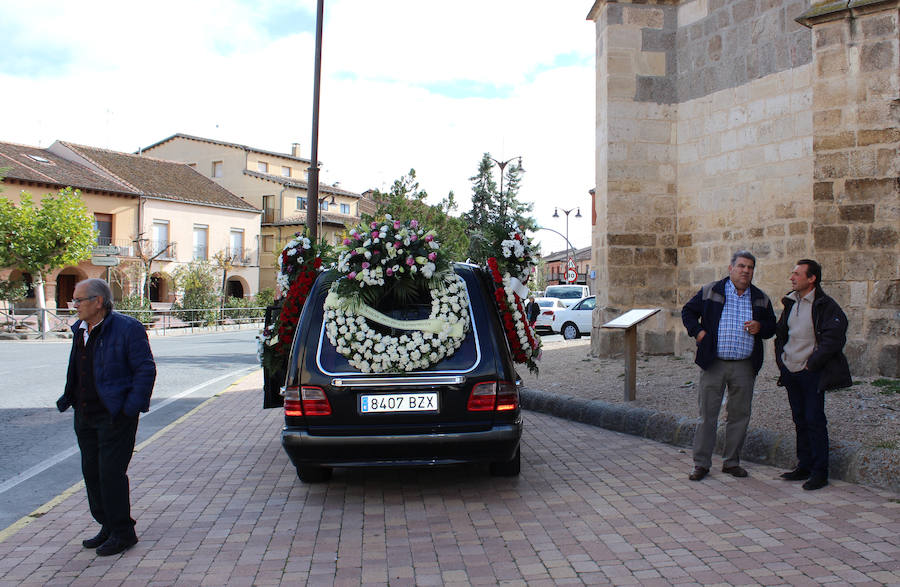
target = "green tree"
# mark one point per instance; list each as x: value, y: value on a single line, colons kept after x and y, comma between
x: 406, y: 201
x: 39, y: 240
x: 199, y: 282
x: 494, y: 213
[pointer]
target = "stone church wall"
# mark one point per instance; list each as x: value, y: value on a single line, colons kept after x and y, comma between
x: 728, y: 124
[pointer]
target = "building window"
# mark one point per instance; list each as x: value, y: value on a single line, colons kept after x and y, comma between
x: 103, y: 226
x: 345, y: 208
x: 262, y: 167
x: 159, y: 237
x: 236, y: 243
x: 301, y: 202
x: 216, y: 169
x: 323, y: 205
x: 201, y: 235
x: 268, y: 243
x: 285, y: 171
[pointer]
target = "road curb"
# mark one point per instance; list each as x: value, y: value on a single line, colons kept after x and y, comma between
x: 848, y: 461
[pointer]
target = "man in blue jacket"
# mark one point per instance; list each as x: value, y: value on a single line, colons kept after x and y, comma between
x: 109, y: 383
x: 728, y: 318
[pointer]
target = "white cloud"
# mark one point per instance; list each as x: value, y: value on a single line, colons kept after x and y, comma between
x: 127, y: 75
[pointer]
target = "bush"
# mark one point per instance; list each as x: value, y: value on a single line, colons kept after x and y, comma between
x: 137, y: 308
x: 264, y: 298
x: 240, y: 309
x: 198, y: 306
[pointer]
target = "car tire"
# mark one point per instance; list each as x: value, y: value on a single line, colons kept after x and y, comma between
x: 313, y: 474
x: 570, y: 331
x: 509, y: 468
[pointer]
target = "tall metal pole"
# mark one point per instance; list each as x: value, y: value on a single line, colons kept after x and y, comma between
x: 312, y: 188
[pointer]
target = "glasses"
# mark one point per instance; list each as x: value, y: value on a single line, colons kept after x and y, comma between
x: 78, y: 301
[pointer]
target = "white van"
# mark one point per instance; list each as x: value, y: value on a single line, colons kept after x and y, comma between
x: 569, y: 294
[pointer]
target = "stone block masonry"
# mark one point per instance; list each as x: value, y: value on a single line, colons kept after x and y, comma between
x: 767, y: 125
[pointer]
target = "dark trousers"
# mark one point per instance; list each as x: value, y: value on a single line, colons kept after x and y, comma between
x: 106, y: 444
x: 808, y: 412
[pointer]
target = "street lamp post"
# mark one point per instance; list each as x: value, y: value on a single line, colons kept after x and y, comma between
x: 502, y: 165
x: 319, y: 210
x: 567, y: 212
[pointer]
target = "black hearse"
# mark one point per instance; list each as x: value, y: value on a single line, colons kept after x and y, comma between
x: 464, y: 409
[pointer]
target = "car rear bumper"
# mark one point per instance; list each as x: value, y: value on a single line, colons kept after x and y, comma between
x: 497, y: 444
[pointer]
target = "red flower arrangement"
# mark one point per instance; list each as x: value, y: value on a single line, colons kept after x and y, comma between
x: 524, y: 344
x: 300, y: 265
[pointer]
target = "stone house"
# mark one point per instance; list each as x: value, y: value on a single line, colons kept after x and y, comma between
x: 770, y: 125
x: 138, y: 203
x: 273, y: 182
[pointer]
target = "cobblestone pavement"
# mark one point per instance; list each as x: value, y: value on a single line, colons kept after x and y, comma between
x: 218, y: 503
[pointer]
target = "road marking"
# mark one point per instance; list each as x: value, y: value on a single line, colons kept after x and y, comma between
x: 60, y: 457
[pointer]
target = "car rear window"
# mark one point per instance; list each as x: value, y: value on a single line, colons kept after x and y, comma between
x: 465, y: 359
x: 545, y: 303
x: 566, y: 293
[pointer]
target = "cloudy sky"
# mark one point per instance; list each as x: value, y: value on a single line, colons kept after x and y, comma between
x: 405, y: 84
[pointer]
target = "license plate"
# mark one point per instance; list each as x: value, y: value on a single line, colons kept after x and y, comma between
x: 398, y: 402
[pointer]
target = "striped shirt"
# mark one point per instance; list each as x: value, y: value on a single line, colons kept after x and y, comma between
x: 734, y: 342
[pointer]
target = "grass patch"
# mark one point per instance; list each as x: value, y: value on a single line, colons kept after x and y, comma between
x: 887, y: 444
x: 888, y: 386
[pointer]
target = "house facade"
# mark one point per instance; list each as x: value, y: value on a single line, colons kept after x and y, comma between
x: 274, y: 182
x: 769, y: 126
x: 141, y: 206
x: 554, y: 267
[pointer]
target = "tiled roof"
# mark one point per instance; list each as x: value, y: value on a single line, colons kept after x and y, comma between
x: 324, y: 217
x: 168, y: 180
x: 33, y: 164
x: 226, y: 144
x: 580, y: 255
x: 300, y: 184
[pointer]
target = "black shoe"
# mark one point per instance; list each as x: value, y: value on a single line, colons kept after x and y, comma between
x: 698, y: 473
x: 814, y: 483
x: 735, y: 471
x: 116, y: 544
x: 797, y: 474
x: 97, y: 540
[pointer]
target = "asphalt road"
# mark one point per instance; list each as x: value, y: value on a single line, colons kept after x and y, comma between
x: 38, y: 451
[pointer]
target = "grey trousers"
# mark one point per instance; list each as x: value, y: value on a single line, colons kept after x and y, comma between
x: 739, y: 377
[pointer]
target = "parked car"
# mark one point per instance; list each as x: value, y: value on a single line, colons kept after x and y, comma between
x: 549, y: 307
x: 576, y: 320
x: 569, y: 293
x: 464, y: 409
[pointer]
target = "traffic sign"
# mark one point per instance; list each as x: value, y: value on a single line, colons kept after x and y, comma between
x: 106, y: 250
x: 105, y: 261
x: 570, y: 264
x: 571, y: 276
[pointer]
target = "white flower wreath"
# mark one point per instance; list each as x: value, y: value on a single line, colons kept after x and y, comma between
x: 427, y: 343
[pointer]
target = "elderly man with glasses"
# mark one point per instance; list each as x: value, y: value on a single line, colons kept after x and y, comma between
x: 109, y: 383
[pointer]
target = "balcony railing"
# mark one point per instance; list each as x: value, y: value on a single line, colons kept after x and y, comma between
x: 269, y: 216
x: 157, y: 246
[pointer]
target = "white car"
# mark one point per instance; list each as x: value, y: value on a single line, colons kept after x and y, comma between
x: 575, y: 320
x: 549, y: 307
x: 568, y: 293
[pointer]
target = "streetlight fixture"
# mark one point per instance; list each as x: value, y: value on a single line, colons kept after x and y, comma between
x: 321, y: 216
x: 502, y: 165
x: 567, y: 212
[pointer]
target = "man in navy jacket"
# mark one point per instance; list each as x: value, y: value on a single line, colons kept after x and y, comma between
x: 109, y: 383
x: 729, y: 319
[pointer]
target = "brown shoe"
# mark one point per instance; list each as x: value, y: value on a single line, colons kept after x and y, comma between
x: 735, y: 471
x: 698, y: 473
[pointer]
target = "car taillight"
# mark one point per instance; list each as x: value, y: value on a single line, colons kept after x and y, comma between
x: 292, y: 406
x: 314, y: 402
x: 310, y: 401
x: 548, y: 312
x: 493, y: 395
x: 507, y: 396
x: 483, y: 397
